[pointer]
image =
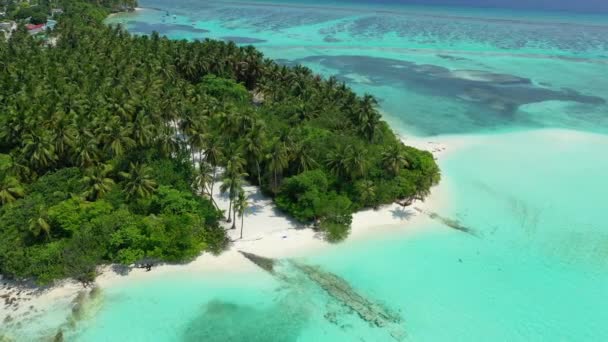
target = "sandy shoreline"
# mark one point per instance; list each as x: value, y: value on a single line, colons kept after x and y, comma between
x: 269, y: 232
x: 266, y: 232
x: 136, y: 9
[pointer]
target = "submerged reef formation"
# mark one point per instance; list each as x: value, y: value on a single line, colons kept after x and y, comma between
x: 267, y: 264
x: 84, y: 306
x: 452, y: 223
x: 494, y: 92
x: 337, y: 288
x: 221, y: 320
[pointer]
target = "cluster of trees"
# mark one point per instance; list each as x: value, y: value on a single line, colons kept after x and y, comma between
x: 35, y: 11
x: 36, y: 15
x: 57, y: 230
x: 117, y: 5
x: 111, y: 144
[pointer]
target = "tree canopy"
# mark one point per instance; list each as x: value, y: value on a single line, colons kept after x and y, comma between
x: 110, y: 144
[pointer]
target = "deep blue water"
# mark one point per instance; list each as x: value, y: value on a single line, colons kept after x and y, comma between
x: 590, y: 6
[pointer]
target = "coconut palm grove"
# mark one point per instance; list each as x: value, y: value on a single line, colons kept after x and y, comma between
x: 111, y: 145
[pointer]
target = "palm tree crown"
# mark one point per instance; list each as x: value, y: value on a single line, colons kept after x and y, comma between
x: 138, y: 181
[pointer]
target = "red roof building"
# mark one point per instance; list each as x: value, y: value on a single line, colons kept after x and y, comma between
x: 31, y: 27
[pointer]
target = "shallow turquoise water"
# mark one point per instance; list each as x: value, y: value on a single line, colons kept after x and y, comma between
x: 456, y: 72
x: 537, y: 269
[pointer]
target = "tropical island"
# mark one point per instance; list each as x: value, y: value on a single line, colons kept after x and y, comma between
x: 111, y: 146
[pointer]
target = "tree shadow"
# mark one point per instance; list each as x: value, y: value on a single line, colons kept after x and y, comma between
x: 254, y: 209
x: 119, y: 269
x: 224, y: 195
x: 254, y: 195
x: 402, y: 214
x: 295, y: 224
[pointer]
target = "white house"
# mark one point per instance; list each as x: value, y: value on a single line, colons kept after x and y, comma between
x: 7, y: 28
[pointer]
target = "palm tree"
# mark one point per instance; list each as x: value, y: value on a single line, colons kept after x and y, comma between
x: 39, y: 224
x: 138, y: 181
x: 337, y: 161
x: 232, y: 120
x: 231, y: 184
x: 278, y: 160
x: 367, y: 191
x: 87, y: 152
x: 167, y: 141
x: 190, y: 69
x: 369, y: 125
x: 196, y: 140
x: 10, y: 190
x: 356, y: 161
x: 39, y: 149
x: 235, y: 166
x: 367, y: 117
x: 301, y: 157
x: 237, y: 191
x: 65, y: 133
x: 252, y: 61
x: 116, y: 135
x: 235, y: 163
x: 254, y: 146
x: 97, y: 182
x: 204, y: 182
x: 241, y: 205
x: 394, y: 159
x: 204, y: 179
x: 368, y: 104
x: 16, y: 167
x: 213, y: 155
x: 142, y: 130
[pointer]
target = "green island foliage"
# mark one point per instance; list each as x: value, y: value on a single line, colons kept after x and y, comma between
x: 39, y: 10
x: 110, y: 145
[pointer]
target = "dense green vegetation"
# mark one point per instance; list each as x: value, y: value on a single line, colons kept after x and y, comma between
x: 110, y: 145
x: 15, y: 9
x: 39, y: 10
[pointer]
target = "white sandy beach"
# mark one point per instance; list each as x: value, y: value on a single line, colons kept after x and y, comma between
x: 267, y: 232
x: 111, y: 15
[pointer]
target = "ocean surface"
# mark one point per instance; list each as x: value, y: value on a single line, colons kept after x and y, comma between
x: 527, y: 91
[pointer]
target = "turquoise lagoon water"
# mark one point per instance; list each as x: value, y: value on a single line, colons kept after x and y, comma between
x: 535, y: 271
x: 436, y: 70
x: 527, y: 91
